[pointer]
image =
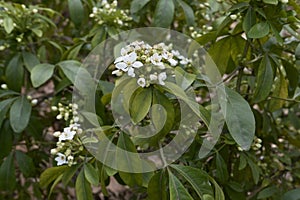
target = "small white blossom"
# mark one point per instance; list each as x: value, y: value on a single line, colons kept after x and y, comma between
x: 68, y: 134
x: 156, y: 60
x: 61, y: 159
x: 56, y: 133
x: 34, y: 10
x: 161, y: 77
x: 127, y: 63
x: 284, y: 1
x: 153, y: 77
x: 53, y: 151
x: 233, y: 17
x: 141, y: 82
x: 34, y: 102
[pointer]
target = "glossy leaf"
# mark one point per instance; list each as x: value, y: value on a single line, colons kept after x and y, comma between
x: 76, y: 11
x: 30, y: 60
x: 197, y: 178
x: 50, y: 174
x: 177, y: 190
x: 69, y: 173
x: 137, y: 5
x: 7, y: 173
x: 188, y: 12
x: 184, y: 79
x: 291, y: 195
x: 83, y: 188
x: 222, y: 172
x: 70, y: 69
x: 91, y: 174
x: 164, y: 13
x: 249, y: 19
x: 19, y: 114
x: 41, y: 73
x: 239, y: 118
x: 280, y: 92
x: 259, y: 30
x: 157, y: 188
x: 267, y: 192
x: 264, y: 80
x: 15, y: 73
x: 8, y: 24
x: 140, y: 104
x: 6, y: 139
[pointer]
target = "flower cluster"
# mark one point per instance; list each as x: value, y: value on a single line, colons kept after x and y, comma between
x: 148, y: 63
x: 108, y: 13
x: 69, y: 145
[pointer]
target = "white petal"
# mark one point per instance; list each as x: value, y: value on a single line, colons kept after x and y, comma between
x: 117, y: 72
x: 173, y: 62
x: 137, y: 64
x: 119, y: 59
x: 141, y: 82
x: 122, y: 66
x: 153, y: 77
x: 123, y: 51
x: 162, y: 76
x: 132, y: 57
x: 131, y: 72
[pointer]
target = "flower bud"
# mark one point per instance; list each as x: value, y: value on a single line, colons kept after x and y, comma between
x: 4, y: 86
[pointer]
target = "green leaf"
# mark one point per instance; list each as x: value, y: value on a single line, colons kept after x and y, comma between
x: 291, y: 195
x: 239, y: 118
x: 188, y: 12
x: 70, y: 69
x: 7, y: 174
x: 50, y: 174
x: 264, y: 80
x: 76, y: 11
x: 19, y: 114
x: 249, y: 19
x: 140, y: 104
x: 137, y: 5
x: 57, y: 180
x: 127, y: 158
x: 197, y: 178
x: 6, y: 139
x: 30, y: 60
x: 220, y: 52
x: 25, y: 164
x: 4, y: 106
x: 267, y: 192
x: 281, y: 91
x: 41, y: 73
x: 91, y: 174
x: 37, y: 32
x: 69, y: 173
x: 177, y: 190
x: 273, y: 2
x: 157, y: 188
x: 259, y: 30
x: 164, y: 13
x: 219, y: 195
x: 255, y: 170
x: 222, y: 172
x: 15, y: 73
x: 184, y: 79
x: 8, y: 24
x: 83, y: 188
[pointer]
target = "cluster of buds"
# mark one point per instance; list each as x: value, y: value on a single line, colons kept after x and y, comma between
x: 256, y: 144
x: 69, y: 145
x: 149, y: 64
x: 108, y: 13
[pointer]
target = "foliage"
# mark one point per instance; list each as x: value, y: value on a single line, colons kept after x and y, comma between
x: 256, y: 47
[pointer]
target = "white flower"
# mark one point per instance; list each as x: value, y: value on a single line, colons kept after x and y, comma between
x: 161, y: 77
x: 141, y: 82
x: 34, y: 102
x: 95, y: 9
x: 184, y: 61
x: 70, y: 158
x: 284, y: 1
x: 127, y: 63
x: 68, y: 134
x: 34, y: 10
x: 61, y: 159
x: 153, y: 77
x: 156, y: 60
x: 169, y: 56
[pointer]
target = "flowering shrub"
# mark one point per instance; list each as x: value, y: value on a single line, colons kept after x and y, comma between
x: 94, y: 92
